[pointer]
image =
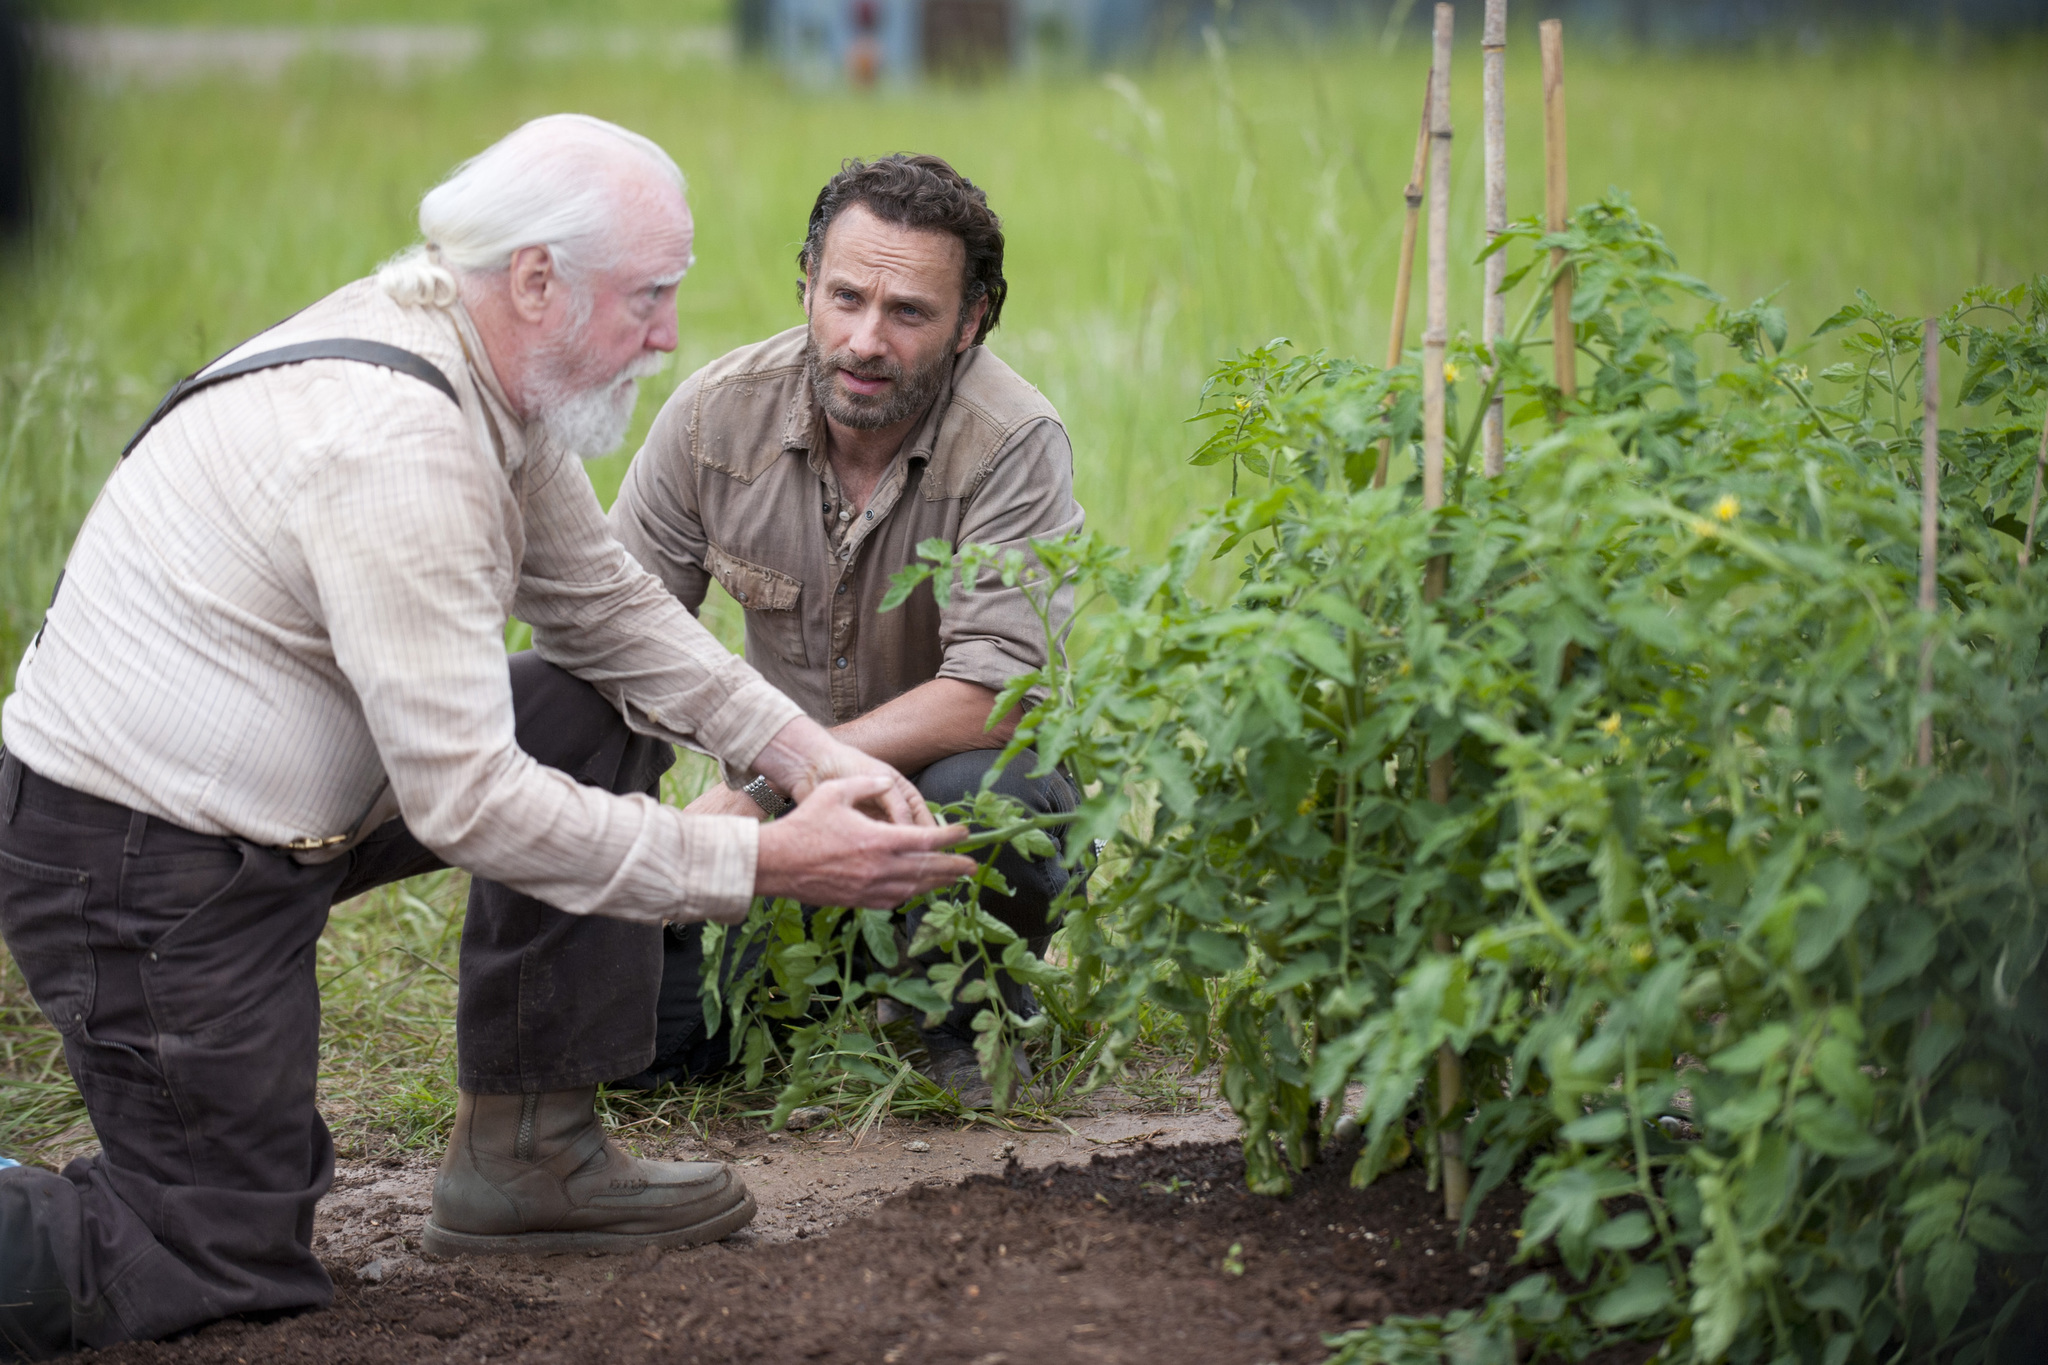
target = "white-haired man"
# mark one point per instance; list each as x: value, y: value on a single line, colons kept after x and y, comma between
x: 274, y: 677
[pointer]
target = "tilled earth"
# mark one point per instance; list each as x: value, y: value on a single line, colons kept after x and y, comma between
x: 1152, y: 1254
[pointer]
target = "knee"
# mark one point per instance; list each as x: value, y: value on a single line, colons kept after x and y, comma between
x: 958, y: 777
x: 565, y: 723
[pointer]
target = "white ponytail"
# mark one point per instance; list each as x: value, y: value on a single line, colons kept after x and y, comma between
x: 552, y: 182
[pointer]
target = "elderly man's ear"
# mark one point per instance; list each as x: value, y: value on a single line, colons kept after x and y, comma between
x: 532, y: 282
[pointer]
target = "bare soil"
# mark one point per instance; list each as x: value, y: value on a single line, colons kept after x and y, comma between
x: 1129, y: 1238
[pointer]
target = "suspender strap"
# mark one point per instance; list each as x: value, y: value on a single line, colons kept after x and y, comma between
x: 337, y: 348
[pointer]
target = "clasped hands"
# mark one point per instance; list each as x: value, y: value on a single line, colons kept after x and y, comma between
x: 860, y: 833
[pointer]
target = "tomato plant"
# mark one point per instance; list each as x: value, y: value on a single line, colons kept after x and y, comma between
x: 1747, y: 999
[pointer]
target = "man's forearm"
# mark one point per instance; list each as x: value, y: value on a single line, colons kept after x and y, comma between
x: 929, y: 722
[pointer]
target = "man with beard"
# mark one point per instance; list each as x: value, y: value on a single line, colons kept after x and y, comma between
x: 274, y: 677
x: 803, y: 472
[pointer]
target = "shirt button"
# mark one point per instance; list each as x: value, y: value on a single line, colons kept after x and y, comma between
x: 845, y: 515
x: 839, y: 662
x: 871, y: 516
x: 840, y: 590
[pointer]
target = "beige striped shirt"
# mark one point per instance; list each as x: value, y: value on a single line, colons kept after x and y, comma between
x: 295, y: 591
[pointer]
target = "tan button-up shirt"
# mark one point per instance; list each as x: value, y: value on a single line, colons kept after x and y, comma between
x: 734, y: 484
x: 295, y: 591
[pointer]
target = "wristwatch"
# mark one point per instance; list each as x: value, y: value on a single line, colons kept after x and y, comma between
x: 766, y: 797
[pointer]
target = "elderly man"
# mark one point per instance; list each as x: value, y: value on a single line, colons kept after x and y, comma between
x: 274, y: 677
x: 802, y: 472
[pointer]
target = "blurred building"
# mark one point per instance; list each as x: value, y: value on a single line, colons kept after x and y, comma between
x: 888, y: 41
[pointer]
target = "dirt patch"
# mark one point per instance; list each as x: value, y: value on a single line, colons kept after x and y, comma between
x: 1112, y: 1258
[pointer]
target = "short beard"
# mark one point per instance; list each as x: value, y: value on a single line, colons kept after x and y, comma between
x: 590, y: 421
x: 909, y: 395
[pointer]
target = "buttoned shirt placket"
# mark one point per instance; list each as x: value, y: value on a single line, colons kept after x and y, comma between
x: 845, y: 534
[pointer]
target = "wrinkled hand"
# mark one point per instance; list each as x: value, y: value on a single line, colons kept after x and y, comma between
x: 826, y: 852
x: 719, y: 799
x: 803, y: 756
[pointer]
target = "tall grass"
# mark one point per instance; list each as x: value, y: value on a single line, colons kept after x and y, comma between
x: 1158, y: 219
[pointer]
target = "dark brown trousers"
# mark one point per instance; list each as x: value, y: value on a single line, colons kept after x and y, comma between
x: 179, y: 968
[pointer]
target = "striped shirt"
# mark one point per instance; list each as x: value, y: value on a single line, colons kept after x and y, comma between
x: 289, y: 605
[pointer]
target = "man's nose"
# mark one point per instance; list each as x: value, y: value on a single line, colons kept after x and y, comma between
x: 866, y: 340
x: 665, y: 333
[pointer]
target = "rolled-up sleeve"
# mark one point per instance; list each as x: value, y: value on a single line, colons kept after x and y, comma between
x: 992, y: 635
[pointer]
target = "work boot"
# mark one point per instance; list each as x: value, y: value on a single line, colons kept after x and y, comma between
x: 35, y: 1305
x: 533, y: 1174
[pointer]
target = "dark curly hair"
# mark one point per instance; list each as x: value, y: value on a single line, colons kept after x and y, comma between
x: 919, y: 192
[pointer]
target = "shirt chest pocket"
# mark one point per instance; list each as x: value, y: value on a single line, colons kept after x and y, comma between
x: 774, y: 624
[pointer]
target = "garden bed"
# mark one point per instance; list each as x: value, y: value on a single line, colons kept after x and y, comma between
x: 1127, y: 1258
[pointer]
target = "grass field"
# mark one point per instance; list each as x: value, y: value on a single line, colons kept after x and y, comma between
x: 1158, y: 219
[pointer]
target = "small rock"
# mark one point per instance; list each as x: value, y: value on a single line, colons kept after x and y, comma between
x: 373, y: 1272
x: 1006, y: 1151
x: 1482, y: 1270
x: 810, y: 1116
x: 1347, y: 1129
x: 917, y: 1146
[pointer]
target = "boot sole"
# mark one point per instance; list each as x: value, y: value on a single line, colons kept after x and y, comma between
x: 436, y: 1240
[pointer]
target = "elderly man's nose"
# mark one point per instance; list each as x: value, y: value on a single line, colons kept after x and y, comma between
x: 663, y: 335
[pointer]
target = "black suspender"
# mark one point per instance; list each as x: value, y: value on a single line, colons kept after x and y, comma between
x: 337, y: 348
x: 334, y: 348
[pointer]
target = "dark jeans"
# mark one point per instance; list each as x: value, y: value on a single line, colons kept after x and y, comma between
x: 684, y: 1046
x: 179, y: 969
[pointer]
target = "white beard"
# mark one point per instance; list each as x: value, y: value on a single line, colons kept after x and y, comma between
x: 591, y: 422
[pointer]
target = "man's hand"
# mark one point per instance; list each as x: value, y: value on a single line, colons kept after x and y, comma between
x: 825, y: 852
x: 803, y: 755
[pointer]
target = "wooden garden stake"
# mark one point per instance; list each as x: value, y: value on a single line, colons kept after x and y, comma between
x: 1557, y: 206
x: 2034, y: 507
x: 1436, y: 334
x: 1930, y: 513
x: 1493, y: 45
x: 1397, y: 327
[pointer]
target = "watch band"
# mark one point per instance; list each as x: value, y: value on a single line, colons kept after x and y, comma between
x: 766, y: 797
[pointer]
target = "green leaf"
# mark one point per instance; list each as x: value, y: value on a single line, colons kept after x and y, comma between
x: 1951, y: 1277
x: 1597, y: 1128
x: 1751, y: 1055
x: 1214, y: 953
x: 1647, y: 1291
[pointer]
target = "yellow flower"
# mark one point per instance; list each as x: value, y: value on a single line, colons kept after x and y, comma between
x: 1612, y: 725
x: 1307, y: 806
x: 1243, y: 403
x: 1728, y: 508
x: 1406, y: 668
x: 1704, y: 528
x: 1450, y: 372
x: 1643, y: 954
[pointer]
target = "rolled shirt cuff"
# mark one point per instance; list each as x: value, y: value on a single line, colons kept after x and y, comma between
x: 722, y: 851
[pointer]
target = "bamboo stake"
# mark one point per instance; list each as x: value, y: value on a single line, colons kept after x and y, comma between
x: 1397, y: 327
x: 1930, y: 514
x: 2034, y: 507
x: 1457, y: 1180
x: 1493, y: 46
x: 1564, y: 338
